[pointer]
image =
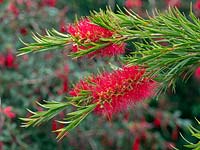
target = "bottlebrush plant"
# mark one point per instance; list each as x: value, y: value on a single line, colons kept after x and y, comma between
x: 149, y: 70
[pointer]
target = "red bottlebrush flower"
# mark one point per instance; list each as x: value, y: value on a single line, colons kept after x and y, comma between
x: 133, y: 3
x: 51, y: 3
x: 175, y: 133
x: 63, y: 27
x: 54, y: 125
x: 87, y: 31
x: 1, y: 145
x: 173, y: 3
x: 13, y: 9
x: 197, y: 73
x: 197, y: 5
x: 10, y: 60
x: 157, y: 122
x: 114, y: 92
x: 8, y: 112
x: 136, y: 144
x: 2, y: 60
x: 64, y: 88
x: 82, y: 85
x: 23, y: 31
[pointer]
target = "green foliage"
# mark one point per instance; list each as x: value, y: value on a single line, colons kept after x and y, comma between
x: 53, y: 40
x: 54, y: 108
x: 195, y: 133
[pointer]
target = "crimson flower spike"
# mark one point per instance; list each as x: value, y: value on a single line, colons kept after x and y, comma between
x: 88, y: 39
x: 116, y: 91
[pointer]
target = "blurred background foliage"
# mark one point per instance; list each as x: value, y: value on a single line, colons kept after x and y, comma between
x: 153, y: 124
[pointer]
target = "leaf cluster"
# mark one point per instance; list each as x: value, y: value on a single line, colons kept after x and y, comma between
x: 52, y: 40
x: 81, y: 108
